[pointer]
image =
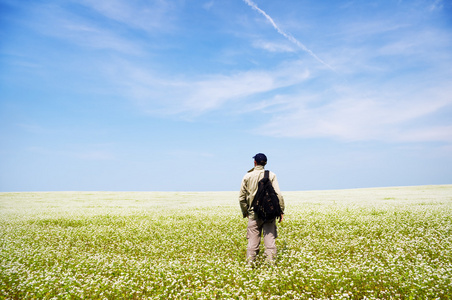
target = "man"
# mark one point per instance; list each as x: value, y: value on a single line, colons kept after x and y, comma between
x: 257, y: 227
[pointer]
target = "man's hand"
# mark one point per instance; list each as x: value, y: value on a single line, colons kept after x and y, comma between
x: 281, y: 217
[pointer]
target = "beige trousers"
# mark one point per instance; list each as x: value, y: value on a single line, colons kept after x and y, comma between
x: 254, y: 231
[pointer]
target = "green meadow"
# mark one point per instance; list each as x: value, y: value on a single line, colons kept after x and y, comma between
x: 378, y: 243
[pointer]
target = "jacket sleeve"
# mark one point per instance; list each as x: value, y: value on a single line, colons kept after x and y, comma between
x: 243, y: 198
x: 278, y: 192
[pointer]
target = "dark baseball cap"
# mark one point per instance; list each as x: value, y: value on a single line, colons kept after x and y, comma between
x: 260, y: 157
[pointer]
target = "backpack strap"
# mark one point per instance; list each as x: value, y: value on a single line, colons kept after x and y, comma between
x: 267, y: 174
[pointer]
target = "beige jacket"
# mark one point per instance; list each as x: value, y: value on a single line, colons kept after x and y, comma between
x: 249, y: 188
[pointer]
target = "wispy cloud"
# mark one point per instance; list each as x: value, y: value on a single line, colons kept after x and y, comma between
x: 200, y: 95
x: 148, y: 15
x: 381, y: 92
x: 61, y: 23
x: 215, y: 91
x: 394, y: 85
x: 437, y: 5
x: 82, y: 154
x: 286, y: 35
x: 273, y: 47
x: 397, y: 116
x: 33, y: 128
x: 114, y: 25
x: 95, y: 37
x: 94, y: 155
x: 208, y: 5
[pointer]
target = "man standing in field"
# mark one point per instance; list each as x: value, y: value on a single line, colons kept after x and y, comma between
x: 256, y: 226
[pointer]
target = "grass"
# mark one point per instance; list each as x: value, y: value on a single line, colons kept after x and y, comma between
x: 385, y: 243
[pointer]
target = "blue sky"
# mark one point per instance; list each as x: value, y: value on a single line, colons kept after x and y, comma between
x: 179, y: 95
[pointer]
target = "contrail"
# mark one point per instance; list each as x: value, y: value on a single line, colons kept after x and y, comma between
x: 286, y: 35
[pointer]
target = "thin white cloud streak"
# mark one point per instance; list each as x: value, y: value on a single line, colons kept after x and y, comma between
x: 60, y: 23
x: 286, y: 35
x: 389, y: 44
x: 273, y: 47
x: 397, y: 88
x: 384, y: 117
x: 437, y: 5
x: 208, y: 5
x: 351, y: 117
x: 217, y: 90
x: 97, y: 38
x: 354, y: 113
x: 97, y: 32
x: 193, y: 97
x: 84, y: 155
x: 430, y: 134
x: 149, y: 15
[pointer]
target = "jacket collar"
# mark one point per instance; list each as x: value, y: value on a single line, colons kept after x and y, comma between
x: 257, y: 168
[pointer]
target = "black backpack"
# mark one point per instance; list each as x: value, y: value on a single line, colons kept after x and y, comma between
x: 266, y: 203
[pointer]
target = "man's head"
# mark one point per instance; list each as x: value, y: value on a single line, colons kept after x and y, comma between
x: 260, y: 159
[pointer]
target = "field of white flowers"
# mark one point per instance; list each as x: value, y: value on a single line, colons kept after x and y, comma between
x: 385, y: 243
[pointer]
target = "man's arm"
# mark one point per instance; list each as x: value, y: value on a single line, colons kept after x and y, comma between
x: 242, y: 199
